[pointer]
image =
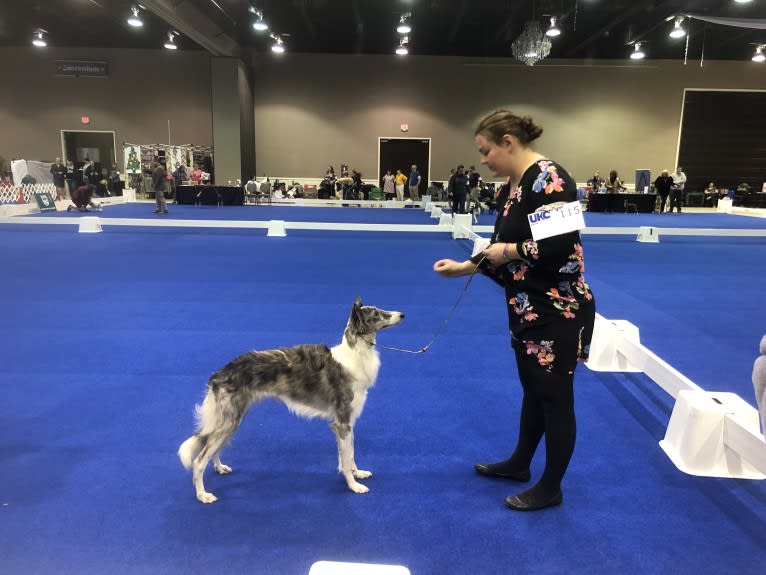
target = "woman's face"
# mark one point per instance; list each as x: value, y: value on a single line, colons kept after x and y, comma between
x: 494, y: 156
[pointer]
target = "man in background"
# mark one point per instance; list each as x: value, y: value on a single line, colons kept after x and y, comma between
x: 58, y: 171
x: 414, y: 184
x: 677, y: 189
x: 158, y: 183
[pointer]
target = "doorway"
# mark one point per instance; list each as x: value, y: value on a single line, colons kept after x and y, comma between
x: 400, y: 153
x: 78, y: 146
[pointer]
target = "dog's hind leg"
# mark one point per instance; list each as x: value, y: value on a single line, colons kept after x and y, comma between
x: 220, y: 467
x: 214, y: 442
x: 344, y: 435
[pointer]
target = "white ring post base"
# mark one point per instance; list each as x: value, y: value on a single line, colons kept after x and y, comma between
x: 89, y: 225
x: 648, y: 234
x: 276, y: 228
x: 461, y: 226
x: 604, y: 352
x: 335, y: 568
x: 695, y: 437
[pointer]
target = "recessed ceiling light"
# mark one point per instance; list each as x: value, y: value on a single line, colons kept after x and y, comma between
x: 134, y: 19
x: 678, y: 30
x: 638, y: 53
x: 553, y: 30
x: 38, y: 39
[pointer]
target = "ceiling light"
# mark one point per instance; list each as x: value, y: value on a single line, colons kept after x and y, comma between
x: 402, y: 49
x: 278, y: 47
x: 404, y: 24
x: 553, y: 30
x: 38, y: 38
x: 134, y: 19
x: 638, y: 53
x: 259, y: 24
x: 743, y: 1
x: 759, y: 56
x: 678, y: 30
x: 170, y: 44
x: 532, y: 45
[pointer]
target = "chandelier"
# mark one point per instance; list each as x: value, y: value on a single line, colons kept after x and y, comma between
x: 532, y: 45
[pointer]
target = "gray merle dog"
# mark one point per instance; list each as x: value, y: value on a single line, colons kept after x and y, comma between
x: 312, y: 380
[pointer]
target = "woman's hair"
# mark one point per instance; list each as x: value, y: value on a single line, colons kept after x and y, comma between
x: 497, y: 124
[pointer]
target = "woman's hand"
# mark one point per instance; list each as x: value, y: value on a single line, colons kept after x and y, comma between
x: 453, y: 269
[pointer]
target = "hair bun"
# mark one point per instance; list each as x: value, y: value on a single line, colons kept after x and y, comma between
x: 533, y: 130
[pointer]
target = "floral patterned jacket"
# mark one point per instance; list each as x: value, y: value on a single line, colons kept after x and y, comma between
x: 547, y: 283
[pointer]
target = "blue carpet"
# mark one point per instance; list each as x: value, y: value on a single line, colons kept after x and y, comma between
x: 401, y: 216
x: 109, y: 340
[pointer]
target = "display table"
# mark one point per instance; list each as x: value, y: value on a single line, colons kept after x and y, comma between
x: 209, y: 195
x: 644, y: 203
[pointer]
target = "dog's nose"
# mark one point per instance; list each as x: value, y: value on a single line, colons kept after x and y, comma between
x: 401, y: 315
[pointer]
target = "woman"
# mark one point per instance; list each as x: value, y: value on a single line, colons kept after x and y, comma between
x: 399, y: 180
x: 550, y: 307
x: 388, y: 185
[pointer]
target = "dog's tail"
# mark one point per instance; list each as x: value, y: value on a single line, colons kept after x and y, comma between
x: 206, y: 422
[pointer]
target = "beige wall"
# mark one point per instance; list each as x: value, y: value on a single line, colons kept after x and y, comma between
x: 144, y: 90
x: 311, y: 111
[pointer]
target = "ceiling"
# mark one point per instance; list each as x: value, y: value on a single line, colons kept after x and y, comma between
x: 591, y: 29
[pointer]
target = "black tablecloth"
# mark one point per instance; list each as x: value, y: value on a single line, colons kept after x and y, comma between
x: 208, y: 195
x: 616, y: 202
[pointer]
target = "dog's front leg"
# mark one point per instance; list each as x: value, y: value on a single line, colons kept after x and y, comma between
x: 344, y: 435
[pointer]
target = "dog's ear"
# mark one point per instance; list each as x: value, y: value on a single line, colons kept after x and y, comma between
x: 355, y: 309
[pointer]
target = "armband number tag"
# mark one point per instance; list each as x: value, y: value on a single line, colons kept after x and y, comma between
x: 556, y: 219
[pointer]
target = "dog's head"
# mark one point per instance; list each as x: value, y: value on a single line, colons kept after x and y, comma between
x: 366, y: 321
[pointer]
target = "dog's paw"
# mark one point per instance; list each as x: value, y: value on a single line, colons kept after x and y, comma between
x: 361, y: 474
x: 206, y: 497
x: 358, y: 488
x: 222, y: 469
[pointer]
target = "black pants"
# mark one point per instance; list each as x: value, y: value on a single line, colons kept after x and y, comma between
x: 676, y: 199
x: 547, y: 409
x: 663, y: 201
x: 458, y: 203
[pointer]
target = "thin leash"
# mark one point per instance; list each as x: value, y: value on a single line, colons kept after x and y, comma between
x: 442, y: 327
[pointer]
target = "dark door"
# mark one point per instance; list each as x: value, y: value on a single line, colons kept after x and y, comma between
x: 401, y: 154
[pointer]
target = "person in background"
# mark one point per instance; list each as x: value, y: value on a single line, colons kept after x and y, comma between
x: 399, y: 180
x: 414, y: 183
x: 159, y: 177
x: 82, y: 198
x: 196, y: 175
x: 71, y: 177
x: 474, y: 183
x: 595, y: 182
x: 89, y: 172
x: 457, y: 189
x: 115, y: 184
x: 551, y: 310
x: 388, y: 185
x: 58, y: 171
x: 662, y: 184
x: 614, y: 185
x: 677, y: 189
x: 712, y: 195
x: 179, y: 175
x: 28, y: 180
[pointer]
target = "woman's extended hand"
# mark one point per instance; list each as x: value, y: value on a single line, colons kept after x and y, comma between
x: 453, y: 269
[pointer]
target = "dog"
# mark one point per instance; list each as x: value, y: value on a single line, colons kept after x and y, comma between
x: 312, y: 380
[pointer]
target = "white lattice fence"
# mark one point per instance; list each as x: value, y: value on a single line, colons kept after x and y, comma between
x: 9, y: 194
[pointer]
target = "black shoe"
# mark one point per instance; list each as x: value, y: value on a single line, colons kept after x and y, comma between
x: 502, y: 471
x: 526, y: 502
